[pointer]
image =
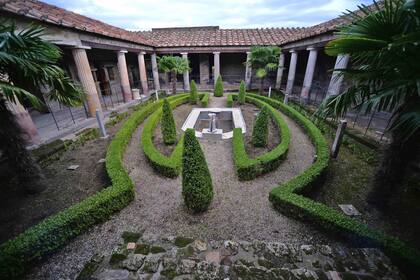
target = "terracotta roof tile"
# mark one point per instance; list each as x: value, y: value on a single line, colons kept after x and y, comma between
x: 58, y: 16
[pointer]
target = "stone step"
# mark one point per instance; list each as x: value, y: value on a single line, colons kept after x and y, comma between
x: 156, y: 257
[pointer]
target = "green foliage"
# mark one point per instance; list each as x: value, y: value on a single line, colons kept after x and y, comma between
x: 218, y: 88
x: 167, y: 166
x: 174, y: 65
x: 193, y: 93
x: 29, y: 63
x: 168, y: 126
x: 248, y: 168
x: 181, y: 241
x: 229, y: 100
x: 205, y: 100
x: 143, y: 249
x: 16, y: 255
x: 263, y: 59
x: 197, y: 188
x: 129, y: 236
x: 288, y: 198
x: 242, y: 93
x: 382, y: 45
x: 260, y: 129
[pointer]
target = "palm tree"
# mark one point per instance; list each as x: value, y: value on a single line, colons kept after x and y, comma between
x: 263, y: 59
x: 383, y: 43
x: 174, y: 65
x: 27, y: 64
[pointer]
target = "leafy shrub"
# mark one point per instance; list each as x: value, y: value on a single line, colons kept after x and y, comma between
x: 229, y: 101
x: 197, y: 188
x: 288, y: 199
x: 249, y: 168
x: 260, y: 129
x: 193, y: 93
x: 242, y: 92
x: 205, y: 100
x: 168, y: 126
x: 218, y: 88
x: 16, y: 255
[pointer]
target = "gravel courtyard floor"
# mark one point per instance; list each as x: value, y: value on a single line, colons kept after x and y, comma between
x: 240, y: 210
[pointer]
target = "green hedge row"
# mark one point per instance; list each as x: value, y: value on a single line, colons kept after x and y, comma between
x: 249, y: 168
x: 288, y: 199
x: 167, y: 166
x: 229, y: 100
x: 205, y: 99
x: 18, y: 254
x: 168, y: 127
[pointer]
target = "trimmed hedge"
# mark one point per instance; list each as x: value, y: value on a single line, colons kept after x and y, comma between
x: 167, y: 166
x: 242, y: 93
x: 168, y: 126
x: 197, y: 187
x: 193, y: 93
x: 218, y: 88
x: 18, y: 254
x: 229, y: 100
x: 288, y: 199
x: 249, y: 168
x: 205, y: 100
x: 260, y: 129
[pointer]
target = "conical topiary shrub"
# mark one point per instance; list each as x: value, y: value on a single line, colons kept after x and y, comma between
x: 193, y: 93
x: 260, y: 129
x: 218, y: 88
x: 241, y: 96
x: 168, y: 124
x: 197, y: 187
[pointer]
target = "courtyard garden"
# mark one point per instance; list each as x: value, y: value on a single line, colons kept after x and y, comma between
x: 217, y: 184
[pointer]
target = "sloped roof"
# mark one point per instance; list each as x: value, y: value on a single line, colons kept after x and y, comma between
x: 214, y: 36
x: 59, y: 16
x: 204, y: 36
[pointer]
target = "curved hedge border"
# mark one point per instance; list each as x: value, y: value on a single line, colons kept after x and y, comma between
x: 205, y: 99
x: 17, y: 254
x: 288, y: 199
x: 249, y: 168
x: 167, y: 166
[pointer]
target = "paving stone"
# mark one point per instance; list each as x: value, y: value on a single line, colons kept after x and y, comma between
x: 72, y: 167
x: 186, y: 266
x: 102, y: 160
x: 114, y: 274
x: 133, y: 262
x: 200, y: 245
x: 349, y: 210
x: 213, y: 257
x: 131, y: 245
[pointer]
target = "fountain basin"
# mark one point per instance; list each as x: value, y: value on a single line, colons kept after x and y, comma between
x: 226, y: 120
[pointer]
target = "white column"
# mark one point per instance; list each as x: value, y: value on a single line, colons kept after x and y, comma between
x: 186, y: 74
x: 248, y: 71
x: 125, y: 82
x: 86, y: 79
x: 142, y: 71
x: 280, y: 71
x: 155, y: 72
x: 216, y: 65
x: 309, y: 73
x: 292, y: 72
x: 336, y: 78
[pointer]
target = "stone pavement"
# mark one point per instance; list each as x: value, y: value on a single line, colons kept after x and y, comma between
x: 154, y: 257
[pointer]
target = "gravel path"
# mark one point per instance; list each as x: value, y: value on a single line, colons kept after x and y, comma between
x: 240, y: 210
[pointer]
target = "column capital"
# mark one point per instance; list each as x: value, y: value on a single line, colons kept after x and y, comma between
x: 216, y: 52
x: 122, y: 51
x: 142, y: 53
x: 248, y: 52
x: 81, y: 47
x: 312, y: 48
x: 184, y: 53
x: 292, y: 51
